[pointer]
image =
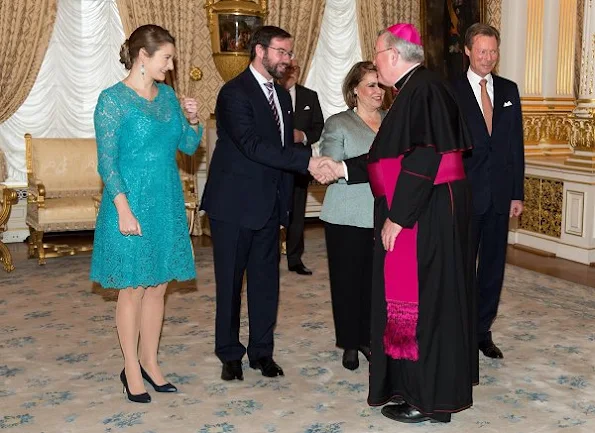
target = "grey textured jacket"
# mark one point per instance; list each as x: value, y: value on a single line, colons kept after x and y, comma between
x: 345, y: 136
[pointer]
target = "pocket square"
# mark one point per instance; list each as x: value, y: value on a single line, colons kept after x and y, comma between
x: 507, y: 104
x: 307, y: 107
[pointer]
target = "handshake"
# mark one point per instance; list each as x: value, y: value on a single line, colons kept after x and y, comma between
x: 325, y: 169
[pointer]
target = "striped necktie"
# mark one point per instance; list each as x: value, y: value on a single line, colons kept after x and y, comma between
x: 270, y: 88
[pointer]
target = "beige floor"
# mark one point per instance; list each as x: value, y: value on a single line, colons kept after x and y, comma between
x: 60, y: 360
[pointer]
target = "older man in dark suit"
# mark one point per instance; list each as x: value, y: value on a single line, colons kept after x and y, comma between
x: 248, y: 195
x: 495, y: 168
x: 307, y: 127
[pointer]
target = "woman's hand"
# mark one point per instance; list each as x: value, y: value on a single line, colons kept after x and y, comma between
x: 129, y: 224
x: 190, y: 107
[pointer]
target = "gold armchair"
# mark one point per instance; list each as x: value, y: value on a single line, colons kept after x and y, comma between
x: 8, y: 197
x: 62, y: 177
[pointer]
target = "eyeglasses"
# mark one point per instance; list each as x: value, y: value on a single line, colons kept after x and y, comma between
x: 382, y: 51
x: 283, y: 52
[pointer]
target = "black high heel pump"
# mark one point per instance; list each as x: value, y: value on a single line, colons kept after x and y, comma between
x: 168, y: 387
x: 137, y: 398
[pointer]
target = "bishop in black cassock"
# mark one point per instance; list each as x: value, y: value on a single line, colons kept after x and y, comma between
x: 423, y: 336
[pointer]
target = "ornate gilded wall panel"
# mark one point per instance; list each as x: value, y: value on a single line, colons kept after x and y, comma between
x: 543, y: 206
x: 544, y: 127
x: 582, y: 133
x: 530, y: 218
x: 550, y: 219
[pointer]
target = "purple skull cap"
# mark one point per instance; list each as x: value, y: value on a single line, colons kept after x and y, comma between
x: 405, y: 31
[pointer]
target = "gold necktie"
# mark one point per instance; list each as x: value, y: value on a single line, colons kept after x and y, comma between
x: 486, y: 104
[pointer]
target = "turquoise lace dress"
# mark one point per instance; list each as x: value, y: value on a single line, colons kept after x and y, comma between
x: 137, y: 142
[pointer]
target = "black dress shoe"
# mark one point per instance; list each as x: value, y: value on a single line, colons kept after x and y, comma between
x: 232, y: 370
x: 137, y: 398
x: 267, y: 366
x: 350, y: 359
x: 490, y: 350
x: 408, y: 414
x: 365, y: 350
x: 167, y: 387
x: 398, y: 400
x: 300, y: 269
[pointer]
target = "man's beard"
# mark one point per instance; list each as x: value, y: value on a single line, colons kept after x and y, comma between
x: 272, y: 69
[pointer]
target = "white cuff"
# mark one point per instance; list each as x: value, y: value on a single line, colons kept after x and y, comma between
x: 345, y: 171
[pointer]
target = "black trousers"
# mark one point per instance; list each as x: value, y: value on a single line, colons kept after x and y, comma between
x: 295, y: 232
x: 350, y: 253
x: 237, y: 250
x: 490, y: 237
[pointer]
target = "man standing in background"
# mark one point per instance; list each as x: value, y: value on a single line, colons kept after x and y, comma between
x: 307, y: 127
x: 495, y: 168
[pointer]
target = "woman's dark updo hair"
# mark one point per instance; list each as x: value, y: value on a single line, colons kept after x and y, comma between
x: 150, y: 37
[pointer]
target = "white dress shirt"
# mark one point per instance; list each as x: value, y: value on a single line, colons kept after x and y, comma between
x: 474, y: 80
x: 261, y: 81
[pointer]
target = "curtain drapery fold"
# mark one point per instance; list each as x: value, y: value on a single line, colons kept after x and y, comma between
x: 301, y: 18
x: 337, y: 50
x: 81, y: 60
x: 375, y: 15
x: 180, y: 17
x: 25, y: 30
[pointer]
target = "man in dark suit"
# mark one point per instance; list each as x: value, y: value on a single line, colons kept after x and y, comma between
x: 307, y: 127
x: 495, y: 168
x: 248, y: 195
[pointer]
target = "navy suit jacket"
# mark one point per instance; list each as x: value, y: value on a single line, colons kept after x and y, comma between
x: 496, y: 165
x: 310, y: 121
x: 250, y: 168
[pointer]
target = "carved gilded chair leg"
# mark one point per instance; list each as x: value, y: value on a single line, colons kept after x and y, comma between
x: 40, y: 249
x: 31, y: 242
x: 6, y: 258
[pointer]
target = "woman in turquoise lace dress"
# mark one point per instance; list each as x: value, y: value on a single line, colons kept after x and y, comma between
x: 141, y: 235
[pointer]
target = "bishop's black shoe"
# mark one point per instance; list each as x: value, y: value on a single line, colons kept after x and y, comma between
x: 410, y: 415
x: 350, y: 359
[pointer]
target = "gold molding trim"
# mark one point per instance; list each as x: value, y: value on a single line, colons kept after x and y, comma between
x: 533, y: 57
x: 548, y: 99
x: 566, y: 47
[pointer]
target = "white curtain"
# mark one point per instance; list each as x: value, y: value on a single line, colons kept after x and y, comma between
x: 337, y: 50
x: 82, y: 59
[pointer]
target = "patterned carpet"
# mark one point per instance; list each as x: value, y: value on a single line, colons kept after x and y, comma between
x: 60, y: 360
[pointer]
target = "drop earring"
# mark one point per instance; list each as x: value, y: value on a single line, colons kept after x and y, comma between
x: 142, y: 70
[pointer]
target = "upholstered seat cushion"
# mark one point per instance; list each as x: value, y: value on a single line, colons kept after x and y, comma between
x: 67, y: 213
x: 66, y: 167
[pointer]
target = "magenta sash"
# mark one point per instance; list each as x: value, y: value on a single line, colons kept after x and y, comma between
x: 401, y: 280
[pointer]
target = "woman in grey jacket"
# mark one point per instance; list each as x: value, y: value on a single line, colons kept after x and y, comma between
x: 348, y: 210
